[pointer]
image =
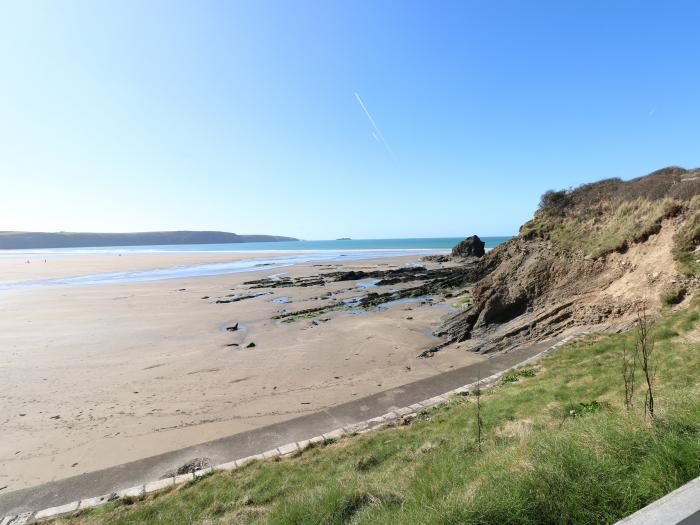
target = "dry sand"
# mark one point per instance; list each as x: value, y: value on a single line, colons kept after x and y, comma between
x: 95, y: 376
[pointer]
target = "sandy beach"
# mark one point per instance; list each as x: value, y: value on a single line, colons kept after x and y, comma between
x: 95, y: 376
x: 25, y: 266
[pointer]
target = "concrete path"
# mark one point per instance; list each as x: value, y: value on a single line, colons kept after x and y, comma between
x: 255, y: 441
x: 680, y: 507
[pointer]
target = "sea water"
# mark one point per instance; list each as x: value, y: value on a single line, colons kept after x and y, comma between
x: 429, y: 243
x: 299, y: 252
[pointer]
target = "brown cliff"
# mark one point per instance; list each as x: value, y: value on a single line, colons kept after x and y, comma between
x: 587, y: 258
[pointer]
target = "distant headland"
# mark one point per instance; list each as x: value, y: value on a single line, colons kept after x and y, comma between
x: 344, y: 239
x: 10, y: 240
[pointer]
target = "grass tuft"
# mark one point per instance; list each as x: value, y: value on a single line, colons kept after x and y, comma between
x: 514, y: 375
x: 674, y: 295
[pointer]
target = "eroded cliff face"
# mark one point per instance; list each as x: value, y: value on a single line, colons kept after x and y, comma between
x: 589, y: 257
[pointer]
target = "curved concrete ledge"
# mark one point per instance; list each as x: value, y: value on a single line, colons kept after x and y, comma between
x: 392, y: 418
x: 682, y: 506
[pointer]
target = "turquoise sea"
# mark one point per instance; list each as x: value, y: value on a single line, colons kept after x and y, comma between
x: 429, y: 243
x: 269, y: 256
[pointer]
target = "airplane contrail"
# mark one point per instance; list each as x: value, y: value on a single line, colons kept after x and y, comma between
x: 377, y: 132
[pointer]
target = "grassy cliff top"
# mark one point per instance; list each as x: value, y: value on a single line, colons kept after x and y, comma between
x: 608, y: 215
x: 558, y: 447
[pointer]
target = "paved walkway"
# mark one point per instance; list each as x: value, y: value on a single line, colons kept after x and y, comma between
x: 255, y: 441
x: 680, y: 507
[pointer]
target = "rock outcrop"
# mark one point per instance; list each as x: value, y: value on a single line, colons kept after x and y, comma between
x: 589, y: 257
x: 469, y: 247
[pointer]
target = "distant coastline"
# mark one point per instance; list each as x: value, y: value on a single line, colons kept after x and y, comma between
x: 394, y: 245
x: 37, y: 240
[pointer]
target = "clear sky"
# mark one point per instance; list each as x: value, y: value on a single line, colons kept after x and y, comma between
x: 244, y: 116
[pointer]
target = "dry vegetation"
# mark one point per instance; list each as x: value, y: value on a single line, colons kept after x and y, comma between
x: 609, y: 215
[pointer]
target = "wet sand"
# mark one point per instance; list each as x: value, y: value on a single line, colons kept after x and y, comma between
x: 14, y: 266
x: 95, y: 376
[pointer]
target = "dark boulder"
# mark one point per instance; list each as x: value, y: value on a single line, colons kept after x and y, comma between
x: 469, y: 247
x: 351, y: 276
x: 436, y: 258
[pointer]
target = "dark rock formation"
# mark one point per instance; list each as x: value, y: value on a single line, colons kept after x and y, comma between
x: 469, y: 247
x: 437, y: 281
x: 437, y: 258
x: 398, y: 275
x: 525, y: 292
x: 234, y: 298
x: 351, y: 276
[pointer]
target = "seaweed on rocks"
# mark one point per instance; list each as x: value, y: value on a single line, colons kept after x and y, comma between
x: 435, y: 282
x: 234, y: 298
x: 438, y: 278
x: 309, y: 313
x: 286, y: 282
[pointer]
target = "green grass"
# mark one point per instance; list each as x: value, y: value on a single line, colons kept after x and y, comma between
x: 673, y: 295
x: 463, y: 301
x: 602, y: 228
x: 512, y: 376
x: 611, y: 214
x: 686, y: 241
x: 607, y: 226
x: 559, y: 448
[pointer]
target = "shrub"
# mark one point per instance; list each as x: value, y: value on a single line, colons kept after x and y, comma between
x: 673, y: 295
x: 367, y: 462
x: 527, y: 372
x: 555, y: 201
x: 583, y: 409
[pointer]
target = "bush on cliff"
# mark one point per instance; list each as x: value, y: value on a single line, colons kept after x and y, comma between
x: 611, y: 214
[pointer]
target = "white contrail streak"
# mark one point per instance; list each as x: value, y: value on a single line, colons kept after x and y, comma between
x: 376, y: 133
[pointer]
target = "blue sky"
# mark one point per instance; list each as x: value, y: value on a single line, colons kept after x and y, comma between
x: 243, y: 116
